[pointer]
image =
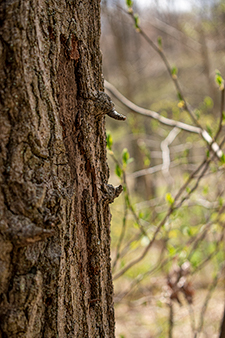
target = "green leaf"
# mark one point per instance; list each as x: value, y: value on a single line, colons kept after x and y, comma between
x: 127, y: 200
x: 159, y: 42
x: 118, y: 171
x: 109, y: 141
x: 208, y: 102
x: 146, y: 161
x: 169, y: 198
x: 220, y: 201
x: 122, y: 263
x: 140, y: 215
x: 174, y: 72
x: 209, y: 130
x: 125, y: 156
x: 222, y: 159
x: 173, y: 233
x: 129, y: 3
x: 219, y: 80
x: 179, y: 96
x: 197, y: 113
x: 136, y: 21
x: 196, y: 258
x: 136, y: 225
x: 172, y: 250
x: 189, y: 232
x: 205, y: 189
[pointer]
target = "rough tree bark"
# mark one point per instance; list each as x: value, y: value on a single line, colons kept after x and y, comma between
x: 55, y: 274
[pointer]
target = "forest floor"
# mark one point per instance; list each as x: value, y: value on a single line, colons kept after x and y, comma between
x: 147, y: 320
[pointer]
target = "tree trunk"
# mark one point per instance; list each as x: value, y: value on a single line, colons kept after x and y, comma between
x: 55, y: 273
x: 222, y: 328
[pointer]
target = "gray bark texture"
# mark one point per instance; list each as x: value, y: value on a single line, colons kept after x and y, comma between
x: 55, y: 273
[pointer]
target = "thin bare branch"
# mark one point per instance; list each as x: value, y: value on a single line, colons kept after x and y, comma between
x: 166, y: 151
x: 150, y: 113
x: 163, y: 120
x: 151, y: 170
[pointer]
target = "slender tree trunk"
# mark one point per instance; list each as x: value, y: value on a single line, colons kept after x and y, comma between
x: 55, y: 274
x: 222, y: 328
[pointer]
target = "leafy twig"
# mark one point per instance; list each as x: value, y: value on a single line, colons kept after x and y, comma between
x: 203, y: 165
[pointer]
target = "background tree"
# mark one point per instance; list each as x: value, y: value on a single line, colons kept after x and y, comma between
x: 55, y: 220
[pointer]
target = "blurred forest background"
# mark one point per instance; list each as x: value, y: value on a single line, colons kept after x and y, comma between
x: 168, y: 226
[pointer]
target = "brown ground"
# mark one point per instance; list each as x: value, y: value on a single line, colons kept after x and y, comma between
x: 135, y: 319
